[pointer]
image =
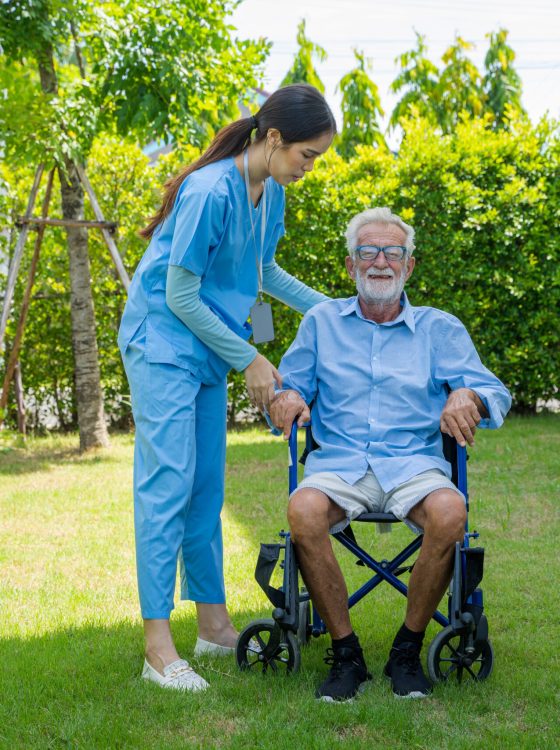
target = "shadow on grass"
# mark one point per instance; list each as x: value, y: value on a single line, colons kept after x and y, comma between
x: 23, y: 460
x: 81, y: 687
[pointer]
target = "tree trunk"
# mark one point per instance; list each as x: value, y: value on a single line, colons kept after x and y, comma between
x: 89, y: 397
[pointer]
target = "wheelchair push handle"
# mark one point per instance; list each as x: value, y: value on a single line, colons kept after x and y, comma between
x: 292, y: 459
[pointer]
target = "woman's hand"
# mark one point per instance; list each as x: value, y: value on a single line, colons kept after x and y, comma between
x: 259, y: 377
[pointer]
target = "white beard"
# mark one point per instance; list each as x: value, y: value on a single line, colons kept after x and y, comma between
x: 374, y: 291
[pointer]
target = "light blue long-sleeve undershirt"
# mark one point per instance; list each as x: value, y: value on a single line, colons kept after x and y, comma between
x: 183, y: 299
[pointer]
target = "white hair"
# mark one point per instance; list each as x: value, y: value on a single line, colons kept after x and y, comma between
x: 379, y: 215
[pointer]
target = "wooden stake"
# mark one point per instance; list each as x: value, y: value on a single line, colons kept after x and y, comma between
x: 109, y: 225
x: 18, y: 387
x: 109, y: 241
x: 14, y: 354
x: 17, y: 256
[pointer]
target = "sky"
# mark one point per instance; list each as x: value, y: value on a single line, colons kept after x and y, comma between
x: 383, y: 30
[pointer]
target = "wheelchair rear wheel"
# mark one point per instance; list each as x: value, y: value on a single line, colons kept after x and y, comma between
x: 448, y: 659
x: 256, y: 651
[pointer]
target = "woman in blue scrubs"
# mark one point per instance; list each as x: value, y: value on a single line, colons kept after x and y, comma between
x: 210, y: 256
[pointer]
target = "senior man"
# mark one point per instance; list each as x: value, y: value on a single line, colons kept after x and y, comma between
x: 378, y: 371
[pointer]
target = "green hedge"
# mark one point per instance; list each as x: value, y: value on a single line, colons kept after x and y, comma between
x: 485, y: 206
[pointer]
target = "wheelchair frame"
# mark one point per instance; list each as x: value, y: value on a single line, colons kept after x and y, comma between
x: 460, y: 650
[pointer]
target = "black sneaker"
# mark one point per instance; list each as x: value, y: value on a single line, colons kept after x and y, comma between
x: 347, y: 677
x: 405, y: 671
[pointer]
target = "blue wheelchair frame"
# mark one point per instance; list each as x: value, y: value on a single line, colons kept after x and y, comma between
x: 384, y: 569
x: 461, y: 648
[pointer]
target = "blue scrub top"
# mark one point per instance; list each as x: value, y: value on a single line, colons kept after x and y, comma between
x: 208, y: 233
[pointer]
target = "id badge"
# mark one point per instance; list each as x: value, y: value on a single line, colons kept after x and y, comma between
x: 261, y: 321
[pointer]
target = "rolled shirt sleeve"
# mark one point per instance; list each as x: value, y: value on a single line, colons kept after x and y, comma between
x: 458, y: 364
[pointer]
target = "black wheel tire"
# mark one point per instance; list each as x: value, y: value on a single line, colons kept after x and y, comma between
x: 304, y: 627
x: 448, y: 661
x: 286, y: 657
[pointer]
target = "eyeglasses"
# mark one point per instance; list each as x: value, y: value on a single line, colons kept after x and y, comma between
x: 391, y: 252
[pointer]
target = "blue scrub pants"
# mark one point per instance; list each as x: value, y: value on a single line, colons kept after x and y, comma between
x: 179, y: 464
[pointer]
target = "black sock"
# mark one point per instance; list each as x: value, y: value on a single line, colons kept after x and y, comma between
x: 349, y: 641
x: 408, y: 636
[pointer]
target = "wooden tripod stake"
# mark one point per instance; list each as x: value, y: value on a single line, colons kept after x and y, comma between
x: 12, y: 368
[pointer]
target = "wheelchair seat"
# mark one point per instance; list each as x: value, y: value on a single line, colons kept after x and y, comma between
x: 377, y: 518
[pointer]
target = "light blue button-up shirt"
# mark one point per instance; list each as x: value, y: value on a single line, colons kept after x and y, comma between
x: 379, y: 389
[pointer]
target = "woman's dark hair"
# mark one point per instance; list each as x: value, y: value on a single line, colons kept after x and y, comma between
x: 299, y: 112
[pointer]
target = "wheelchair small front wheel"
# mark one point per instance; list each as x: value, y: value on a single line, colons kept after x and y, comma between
x: 255, y: 649
x: 449, y: 660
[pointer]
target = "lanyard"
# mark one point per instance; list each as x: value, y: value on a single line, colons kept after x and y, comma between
x: 259, y: 260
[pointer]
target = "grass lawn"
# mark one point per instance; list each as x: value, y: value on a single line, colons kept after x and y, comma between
x: 71, y: 638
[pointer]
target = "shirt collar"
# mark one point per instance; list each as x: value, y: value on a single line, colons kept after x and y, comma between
x: 406, y: 314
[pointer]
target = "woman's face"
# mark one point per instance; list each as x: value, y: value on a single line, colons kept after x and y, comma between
x: 288, y: 163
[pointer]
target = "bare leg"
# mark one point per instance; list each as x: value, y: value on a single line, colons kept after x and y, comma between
x: 214, y: 624
x: 442, y: 515
x: 159, y: 646
x: 310, y: 515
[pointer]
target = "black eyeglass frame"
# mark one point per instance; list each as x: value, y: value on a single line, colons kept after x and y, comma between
x: 376, y: 249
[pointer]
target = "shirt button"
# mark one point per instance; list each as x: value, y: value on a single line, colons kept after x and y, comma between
x: 374, y: 359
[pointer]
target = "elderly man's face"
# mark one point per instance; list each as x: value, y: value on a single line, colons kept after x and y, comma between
x: 380, y: 281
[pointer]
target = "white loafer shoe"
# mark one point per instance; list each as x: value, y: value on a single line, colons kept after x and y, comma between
x: 207, y: 648
x: 178, y: 675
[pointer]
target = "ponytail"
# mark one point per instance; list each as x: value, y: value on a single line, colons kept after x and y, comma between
x: 230, y: 141
x: 299, y: 112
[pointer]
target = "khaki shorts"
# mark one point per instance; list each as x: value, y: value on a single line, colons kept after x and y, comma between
x: 367, y: 495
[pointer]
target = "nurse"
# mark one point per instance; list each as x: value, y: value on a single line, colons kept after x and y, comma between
x: 211, y: 254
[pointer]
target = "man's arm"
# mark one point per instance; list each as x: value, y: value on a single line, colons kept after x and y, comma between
x: 478, y: 398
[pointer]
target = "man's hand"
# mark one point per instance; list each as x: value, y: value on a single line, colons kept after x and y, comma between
x: 285, y: 407
x: 461, y: 415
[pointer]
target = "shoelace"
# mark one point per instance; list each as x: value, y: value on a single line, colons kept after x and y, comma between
x: 408, y: 658
x: 335, y: 660
x: 331, y: 658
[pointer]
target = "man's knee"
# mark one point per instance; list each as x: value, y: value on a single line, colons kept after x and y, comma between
x: 445, y: 517
x: 308, y: 514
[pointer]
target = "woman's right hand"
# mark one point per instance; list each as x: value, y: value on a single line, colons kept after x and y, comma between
x: 259, y: 377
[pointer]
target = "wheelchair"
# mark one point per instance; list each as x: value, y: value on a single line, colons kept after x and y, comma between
x: 461, y: 651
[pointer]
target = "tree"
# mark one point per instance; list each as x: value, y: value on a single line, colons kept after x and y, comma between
x: 459, y: 87
x: 501, y: 82
x: 361, y: 109
x: 302, y: 70
x: 419, y: 81
x: 71, y: 70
